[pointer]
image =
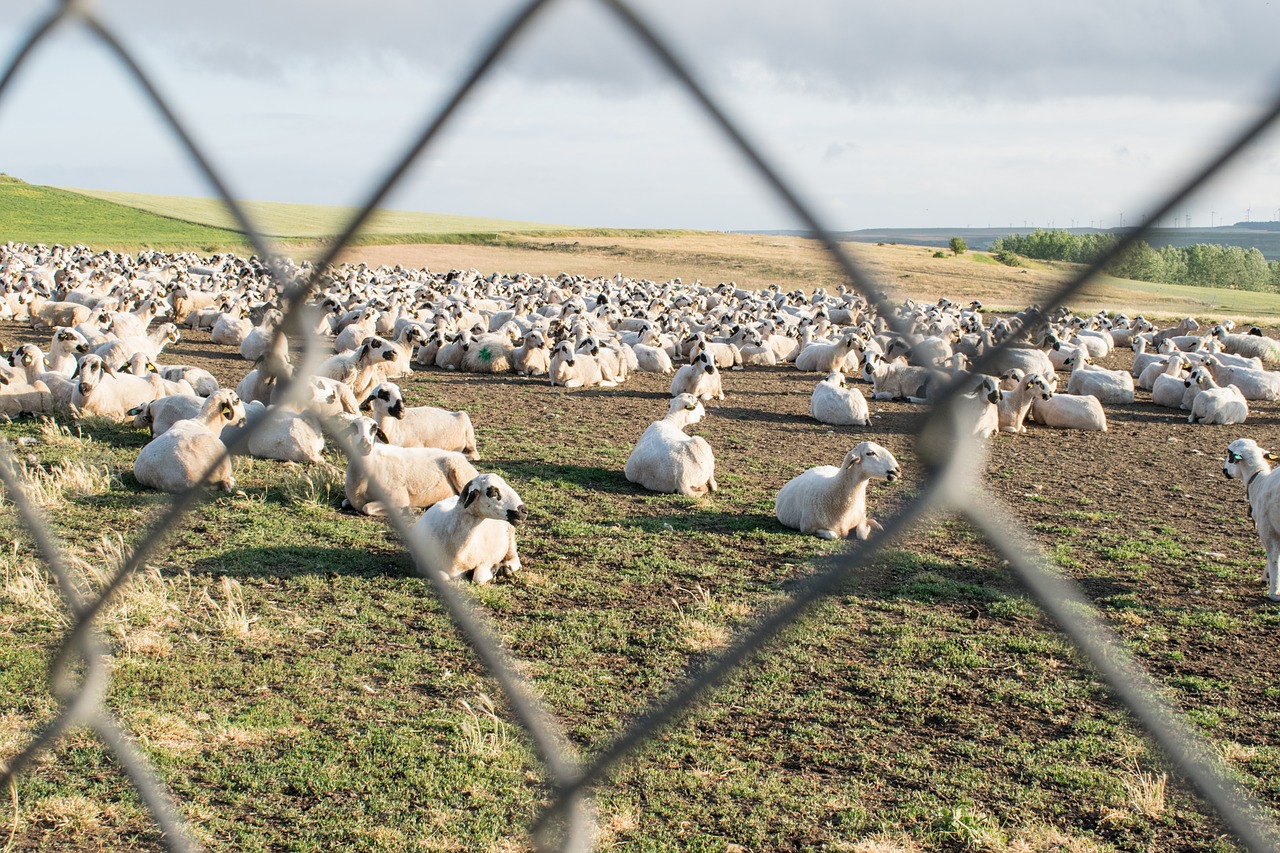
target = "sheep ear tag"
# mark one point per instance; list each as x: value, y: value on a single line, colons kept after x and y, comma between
x: 1270, y: 457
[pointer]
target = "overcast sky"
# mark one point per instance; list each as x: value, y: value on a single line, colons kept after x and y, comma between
x: 886, y: 114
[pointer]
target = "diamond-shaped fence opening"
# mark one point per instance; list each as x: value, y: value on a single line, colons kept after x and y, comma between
x: 80, y: 674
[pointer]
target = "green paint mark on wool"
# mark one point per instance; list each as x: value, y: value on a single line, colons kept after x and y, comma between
x: 486, y: 355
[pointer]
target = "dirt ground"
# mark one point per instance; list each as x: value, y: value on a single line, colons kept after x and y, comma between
x: 1140, y: 516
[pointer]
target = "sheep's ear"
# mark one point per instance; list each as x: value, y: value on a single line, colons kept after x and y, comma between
x: 366, y: 403
x: 855, y: 459
x: 469, y: 495
x: 380, y: 435
x: 518, y: 342
x: 362, y: 351
x: 1256, y: 332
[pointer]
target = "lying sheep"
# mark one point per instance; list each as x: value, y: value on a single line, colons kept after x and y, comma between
x: 667, y: 460
x: 290, y: 434
x: 700, y: 378
x: 122, y: 349
x: 833, y: 402
x: 571, y: 369
x: 359, y: 369
x: 18, y: 397
x: 898, y: 381
x: 1253, y: 384
x: 488, y: 353
x: 1211, y: 403
x: 1069, y: 411
x: 420, y: 426
x: 831, y: 502
x: 158, y: 416
x: 410, y: 476
x: 532, y: 356
x: 1016, y: 403
x: 1167, y: 388
x: 1252, y: 345
x: 1112, y: 387
x: 100, y: 392
x: 190, y: 453
x: 473, y: 533
x: 826, y: 357
x: 1250, y: 464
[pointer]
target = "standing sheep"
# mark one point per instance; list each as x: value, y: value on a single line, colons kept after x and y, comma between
x: 1251, y: 465
x: 832, y: 502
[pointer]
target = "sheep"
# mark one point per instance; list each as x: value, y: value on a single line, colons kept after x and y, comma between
x: 289, y: 435
x: 261, y: 338
x: 532, y: 356
x: 119, y: 350
x: 1168, y: 389
x: 141, y: 365
x: 1253, y: 384
x: 724, y: 354
x: 700, y: 378
x: 411, y: 476
x: 650, y: 357
x: 473, y: 532
x: 452, y: 348
x: 1250, y: 464
x: 755, y: 352
x: 190, y: 453
x: 487, y: 353
x: 420, y: 426
x: 359, y: 368
x: 1069, y: 411
x: 64, y: 351
x: 1016, y: 402
x: 101, y: 392
x: 826, y: 357
x: 160, y: 415
x: 574, y: 369
x: 1111, y: 387
x: 614, y: 364
x: 981, y: 406
x: 43, y: 312
x: 58, y: 388
x: 831, y: 502
x: 833, y: 402
x: 204, y: 382
x: 665, y: 459
x: 1252, y: 345
x: 18, y: 397
x: 1214, y: 404
x: 898, y: 381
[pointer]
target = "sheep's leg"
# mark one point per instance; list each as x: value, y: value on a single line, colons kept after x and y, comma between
x: 713, y: 485
x: 1272, y: 573
x: 825, y: 533
x: 482, y: 574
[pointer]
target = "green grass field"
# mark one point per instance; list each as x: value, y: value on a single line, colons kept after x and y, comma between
x: 310, y: 221
x: 36, y: 214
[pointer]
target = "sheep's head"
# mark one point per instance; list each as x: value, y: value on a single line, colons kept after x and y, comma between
x: 229, y: 406
x: 873, y: 461
x: 689, y: 405
x: 836, y: 378
x: 1244, y: 458
x: 367, y: 433
x: 92, y: 369
x: 376, y: 348
x: 389, y: 395
x: 489, y: 496
x: 1036, y: 384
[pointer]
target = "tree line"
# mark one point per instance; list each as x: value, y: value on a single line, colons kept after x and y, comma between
x: 1201, y: 265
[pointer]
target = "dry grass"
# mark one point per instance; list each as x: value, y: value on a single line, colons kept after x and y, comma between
x: 30, y: 587
x: 483, y: 731
x: 1146, y: 793
x: 314, y: 485
x: 230, y: 616
x: 51, y: 487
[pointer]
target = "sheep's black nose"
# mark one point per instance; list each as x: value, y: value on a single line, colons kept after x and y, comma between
x: 517, y: 515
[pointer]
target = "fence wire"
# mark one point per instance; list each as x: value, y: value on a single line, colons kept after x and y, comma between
x: 79, y: 676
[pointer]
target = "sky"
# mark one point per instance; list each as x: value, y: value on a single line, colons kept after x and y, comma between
x: 913, y: 113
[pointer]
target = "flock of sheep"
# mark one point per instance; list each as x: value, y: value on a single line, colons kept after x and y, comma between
x: 105, y: 358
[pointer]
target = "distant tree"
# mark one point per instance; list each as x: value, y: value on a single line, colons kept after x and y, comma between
x: 958, y: 246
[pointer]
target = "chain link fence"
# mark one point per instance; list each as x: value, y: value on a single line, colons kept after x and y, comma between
x: 79, y: 675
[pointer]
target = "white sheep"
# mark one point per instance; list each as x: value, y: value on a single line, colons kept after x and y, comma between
x: 832, y: 502
x: 898, y: 381
x: 472, y: 533
x: 420, y: 426
x: 1250, y: 464
x: 1167, y: 389
x: 1211, y: 403
x: 826, y: 357
x: 572, y: 369
x: 1016, y: 402
x: 1252, y: 345
x: 834, y: 402
x: 532, y: 356
x: 1069, y: 411
x: 1113, y: 387
x: 1253, y: 384
x: 411, y: 476
x: 700, y: 378
x: 101, y: 392
x: 190, y: 452
x: 290, y: 434
x: 488, y: 353
x: 121, y: 349
x: 160, y: 415
x: 359, y: 369
x: 665, y: 459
